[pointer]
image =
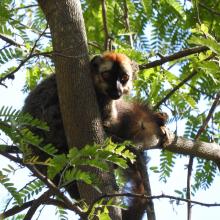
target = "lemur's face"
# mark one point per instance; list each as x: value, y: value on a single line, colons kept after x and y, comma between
x: 112, y: 74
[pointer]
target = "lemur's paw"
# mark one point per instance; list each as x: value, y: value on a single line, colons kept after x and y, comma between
x: 168, y: 136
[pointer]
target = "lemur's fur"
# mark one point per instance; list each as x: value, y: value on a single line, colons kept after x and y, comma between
x: 138, y: 123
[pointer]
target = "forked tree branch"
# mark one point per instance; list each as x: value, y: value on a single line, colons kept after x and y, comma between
x: 36, y: 203
x: 56, y: 191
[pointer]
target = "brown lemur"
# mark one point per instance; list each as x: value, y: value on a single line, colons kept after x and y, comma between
x: 112, y: 74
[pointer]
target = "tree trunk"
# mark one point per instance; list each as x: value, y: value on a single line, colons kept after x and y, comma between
x: 78, y: 104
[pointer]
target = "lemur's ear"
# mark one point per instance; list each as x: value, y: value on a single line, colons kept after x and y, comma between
x: 95, y: 62
x: 161, y: 118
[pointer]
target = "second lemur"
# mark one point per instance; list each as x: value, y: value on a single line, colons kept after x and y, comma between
x: 112, y: 75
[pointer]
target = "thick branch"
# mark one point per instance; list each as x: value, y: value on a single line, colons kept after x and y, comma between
x: 181, y: 145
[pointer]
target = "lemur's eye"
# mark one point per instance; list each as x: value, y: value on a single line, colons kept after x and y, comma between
x: 106, y: 75
x: 124, y: 78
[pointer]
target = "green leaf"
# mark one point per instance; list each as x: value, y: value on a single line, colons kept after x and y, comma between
x: 211, y: 43
x: 57, y: 163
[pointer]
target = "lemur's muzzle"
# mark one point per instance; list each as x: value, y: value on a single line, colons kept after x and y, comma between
x: 116, y: 91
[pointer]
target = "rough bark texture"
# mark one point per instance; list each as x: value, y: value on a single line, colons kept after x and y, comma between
x: 181, y: 145
x: 210, y: 151
x: 76, y: 93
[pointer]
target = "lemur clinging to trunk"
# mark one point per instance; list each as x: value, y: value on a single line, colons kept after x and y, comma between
x: 112, y: 74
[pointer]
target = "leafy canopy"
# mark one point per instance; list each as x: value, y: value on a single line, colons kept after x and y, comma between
x: 145, y: 30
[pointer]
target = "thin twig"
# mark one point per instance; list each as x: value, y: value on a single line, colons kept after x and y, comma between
x: 127, y: 23
x: 11, y: 74
x: 162, y: 196
x: 95, y: 44
x: 191, y: 158
x: 179, y: 85
x: 190, y: 76
x: 105, y: 24
x: 37, y: 40
x: 36, y: 203
x: 25, y: 7
x: 18, y: 191
x: 11, y: 149
x: 211, y: 10
x: 174, y: 56
x: 25, y: 26
x: 200, y: 91
x: 31, y: 54
x: 17, y: 209
x: 10, y: 41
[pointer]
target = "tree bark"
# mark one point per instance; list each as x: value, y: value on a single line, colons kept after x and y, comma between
x: 181, y: 145
x: 78, y: 104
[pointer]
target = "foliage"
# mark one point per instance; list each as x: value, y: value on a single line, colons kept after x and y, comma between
x: 94, y: 156
x: 16, y: 126
x: 153, y: 30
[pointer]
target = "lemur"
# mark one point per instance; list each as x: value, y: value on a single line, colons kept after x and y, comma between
x: 112, y: 75
x: 138, y: 123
